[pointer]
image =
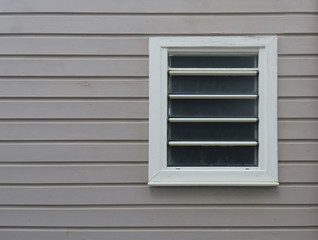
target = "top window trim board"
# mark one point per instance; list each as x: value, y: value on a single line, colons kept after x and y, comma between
x: 263, y: 175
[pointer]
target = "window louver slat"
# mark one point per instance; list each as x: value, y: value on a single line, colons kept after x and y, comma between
x: 210, y: 96
x: 212, y: 119
x: 212, y: 143
x: 212, y: 72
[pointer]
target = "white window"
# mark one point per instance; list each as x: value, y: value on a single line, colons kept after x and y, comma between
x: 213, y: 111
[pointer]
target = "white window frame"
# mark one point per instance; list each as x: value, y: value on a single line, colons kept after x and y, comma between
x: 266, y: 174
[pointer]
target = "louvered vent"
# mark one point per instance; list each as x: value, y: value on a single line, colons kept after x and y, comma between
x: 212, y: 110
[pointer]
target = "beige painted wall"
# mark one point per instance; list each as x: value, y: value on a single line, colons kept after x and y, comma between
x: 73, y: 123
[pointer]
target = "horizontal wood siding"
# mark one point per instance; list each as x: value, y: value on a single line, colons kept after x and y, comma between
x: 90, y: 152
x: 141, y: 195
x: 82, y: 152
x: 160, y: 217
x: 153, y: 24
x: 82, y: 88
x: 121, y: 67
x: 128, y: 173
x: 120, y: 109
x: 74, y: 122
x: 118, y: 46
x: 153, y: 6
x: 120, y: 130
x: 176, y: 234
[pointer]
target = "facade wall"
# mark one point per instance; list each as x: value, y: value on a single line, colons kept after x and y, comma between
x: 74, y: 122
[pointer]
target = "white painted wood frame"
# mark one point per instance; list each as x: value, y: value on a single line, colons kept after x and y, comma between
x: 265, y: 174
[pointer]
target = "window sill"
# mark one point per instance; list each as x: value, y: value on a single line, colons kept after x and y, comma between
x: 213, y: 177
x: 243, y: 184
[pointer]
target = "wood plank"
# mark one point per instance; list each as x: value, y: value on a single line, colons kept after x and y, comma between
x: 297, y: 130
x: 298, y: 87
x: 74, y: 131
x: 112, y: 109
x: 298, y: 151
x: 160, y: 217
x: 74, y: 46
x: 119, y: 152
x: 144, y: 195
x: 74, y: 152
x: 298, y: 66
x: 122, y: 130
x: 126, y: 67
x: 99, y: 173
x: 146, y: 234
x: 34, y: 234
x: 298, y: 108
x: 62, y: 45
x: 70, y: 67
x: 298, y: 45
x: 89, y: 87
x: 74, y: 174
x: 80, y: 88
x: 153, y: 6
x: 297, y: 173
x: 246, y: 234
x: 157, y: 24
x: 96, y: 109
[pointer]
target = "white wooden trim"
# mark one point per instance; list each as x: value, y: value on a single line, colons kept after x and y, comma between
x: 212, y: 176
x: 262, y: 131
x: 201, y: 183
x: 217, y: 51
x: 212, y: 119
x: 213, y: 71
x: 163, y: 107
x: 263, y: 175
x: 271, y: 144
x: 210, y: 96
x: 212, y: 143
x: 225, y: 44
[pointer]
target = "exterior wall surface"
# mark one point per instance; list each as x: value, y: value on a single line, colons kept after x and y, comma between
x: 74, y: 123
